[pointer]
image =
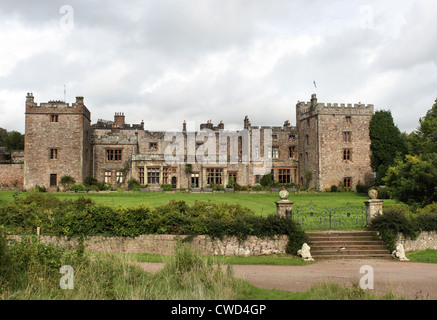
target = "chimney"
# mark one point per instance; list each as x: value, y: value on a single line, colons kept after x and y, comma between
x: 313, y: 99
x: 246, y: 122
x: 29, y: 99
x: 79, y: 100
x: 119, y: 118
x: 221, y: 125
x: 115, y: 128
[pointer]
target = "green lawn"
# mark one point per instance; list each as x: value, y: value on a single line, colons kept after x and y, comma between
x: 262, y: 204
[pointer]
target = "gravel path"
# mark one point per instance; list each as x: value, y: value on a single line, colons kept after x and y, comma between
x: 407, y: 279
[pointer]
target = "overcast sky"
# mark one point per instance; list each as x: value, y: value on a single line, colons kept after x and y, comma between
x: 168, y: 61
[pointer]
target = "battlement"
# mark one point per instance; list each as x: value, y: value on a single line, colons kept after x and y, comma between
x: 56, y: 106
x: 313, y: 107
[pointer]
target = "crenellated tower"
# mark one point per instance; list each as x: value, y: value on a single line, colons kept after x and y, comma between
x: 334, y: 144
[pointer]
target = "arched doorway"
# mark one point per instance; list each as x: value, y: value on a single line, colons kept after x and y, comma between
x: 174, y: 181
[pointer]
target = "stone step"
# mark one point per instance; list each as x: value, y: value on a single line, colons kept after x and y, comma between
x: 333, y: 248
x: 347, y: 245
x: 354, y: 256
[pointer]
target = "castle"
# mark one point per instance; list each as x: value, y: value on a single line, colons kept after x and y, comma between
x: 330, y: 144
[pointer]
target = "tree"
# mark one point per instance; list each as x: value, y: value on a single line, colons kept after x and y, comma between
x: 424, y: 139
x: 67, y: 182
x: 386, y: 142
x: 414, y: 180
x: 14, y: 141
x: 3, y: 136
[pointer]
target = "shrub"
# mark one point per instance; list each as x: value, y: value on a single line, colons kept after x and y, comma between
x: 82, y: 217
x: 133, y: 184
x: 67, y: 182
x: 394, y: 220
x: 361, y: 188
x: 166, y: 187
x: 77, y: 187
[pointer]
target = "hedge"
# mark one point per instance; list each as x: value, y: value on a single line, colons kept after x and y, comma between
x: 83, y: 217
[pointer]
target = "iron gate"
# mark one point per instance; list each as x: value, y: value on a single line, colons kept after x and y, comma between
x: 312, y: 217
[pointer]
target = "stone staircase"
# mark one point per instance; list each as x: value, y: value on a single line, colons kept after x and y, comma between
x: 347, y: 245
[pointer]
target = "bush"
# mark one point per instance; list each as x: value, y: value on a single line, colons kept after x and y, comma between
x: 394, y: 220
x: 77, y: 187
x: 82, y: 217
x: 67, y: 182
x: 166, y: 187
x: 361, y: 188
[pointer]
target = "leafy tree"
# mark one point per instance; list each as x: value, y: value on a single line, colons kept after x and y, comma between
x: 414, y: 180
x: 14, y: 141
x: 386, y: 143
x: 3, y: 136
x: 424, y: 139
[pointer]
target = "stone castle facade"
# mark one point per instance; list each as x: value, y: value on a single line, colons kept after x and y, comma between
x: 330, y: 144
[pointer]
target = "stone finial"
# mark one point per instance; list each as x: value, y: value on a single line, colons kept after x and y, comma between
x: 283, y: 194
x: 399, y: 253
x: 305, y: 253
x: 373, y: 194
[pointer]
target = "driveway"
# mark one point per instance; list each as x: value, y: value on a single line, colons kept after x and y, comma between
x: 408, y: 279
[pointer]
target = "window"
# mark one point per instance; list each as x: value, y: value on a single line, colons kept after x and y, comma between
x: 307, y: 139
x: 108, y: 177
x: 292, y: 137
x: 153, y: 175
x: 119, y: 177
x: 347, y: 154
x: 195, y: 180
x: 214, y: 176
x: 165, y: 172
x: 274, y: 137
x: 54, y: 118
x: 257, y: 179
x: 113, y: 154
x: 348, y: 119
x: 141, y: 175
x: 275, y: 152
x: 292, y: 152
x: 153, y: 146
x: 347, y: 182
x: 284, y: 176
x: 53, y: 153
x: 347, y: 136
x: 53, y: 180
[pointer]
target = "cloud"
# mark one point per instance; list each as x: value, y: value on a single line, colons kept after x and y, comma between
x: 169, y: 61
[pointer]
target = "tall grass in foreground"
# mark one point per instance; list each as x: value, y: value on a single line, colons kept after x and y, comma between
x: 30, y: 270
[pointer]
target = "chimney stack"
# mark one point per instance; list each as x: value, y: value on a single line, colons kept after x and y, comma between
x: 119, y: 118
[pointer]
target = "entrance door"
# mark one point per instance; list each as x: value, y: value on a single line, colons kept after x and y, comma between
x: 53, y: 180
x: 173, y: 182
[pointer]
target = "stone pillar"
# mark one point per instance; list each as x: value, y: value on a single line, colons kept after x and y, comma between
x: 284, y: 205
x: 373, y: 206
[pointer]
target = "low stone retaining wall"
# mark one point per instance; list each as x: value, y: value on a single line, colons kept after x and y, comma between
x: 425, y: 240
x: 165, y: 244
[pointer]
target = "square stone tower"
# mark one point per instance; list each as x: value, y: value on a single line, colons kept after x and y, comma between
x: 57, y: 142
x: 334, y: 144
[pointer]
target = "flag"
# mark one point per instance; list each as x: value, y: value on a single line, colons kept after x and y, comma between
x: 315, y: 84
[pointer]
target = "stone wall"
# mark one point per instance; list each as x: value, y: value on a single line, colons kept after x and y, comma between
x: 424, y: 241
x: 165, y: 244
x: 11, y: 176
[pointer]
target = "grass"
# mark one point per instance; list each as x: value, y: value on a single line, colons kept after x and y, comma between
x: 186, y: 275
x: 262, y: 204
x: 427, y: 256
x: 275, y: 260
